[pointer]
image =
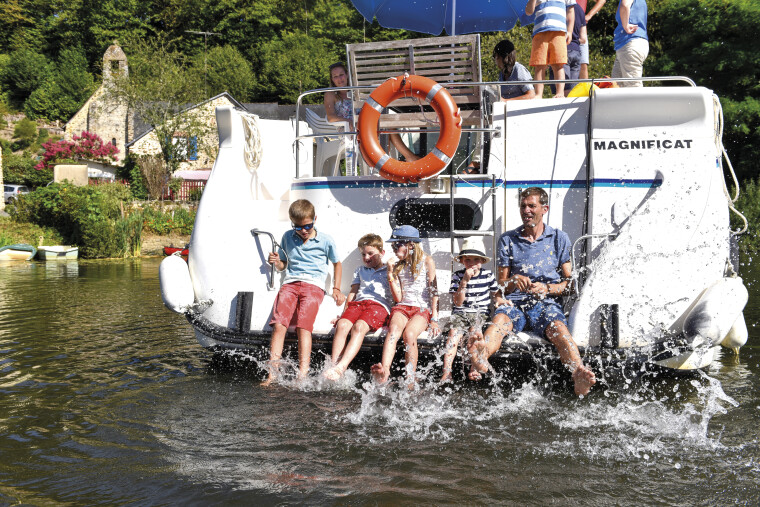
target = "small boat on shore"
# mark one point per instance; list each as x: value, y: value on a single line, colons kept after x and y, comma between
x: 170, y: 250
x: 17, y: 252
x: 57, y: 253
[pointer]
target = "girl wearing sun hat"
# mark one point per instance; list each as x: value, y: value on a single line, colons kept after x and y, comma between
x: 411, y: 276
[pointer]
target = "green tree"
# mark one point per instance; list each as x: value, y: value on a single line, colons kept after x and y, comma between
x: 25, y: 133
x: 226, y: 69
x: 160, y: 89
x: 25, y: 72
x: 717, y: 53
x: 64, y: 91
x: 293, y: 64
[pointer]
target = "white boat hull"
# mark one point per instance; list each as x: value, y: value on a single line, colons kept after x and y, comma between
x: 653, y: 182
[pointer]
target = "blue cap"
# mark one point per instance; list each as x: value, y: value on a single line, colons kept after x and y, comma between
x: 405, y: 233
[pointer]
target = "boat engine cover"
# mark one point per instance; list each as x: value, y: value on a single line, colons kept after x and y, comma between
x: 176, y: 285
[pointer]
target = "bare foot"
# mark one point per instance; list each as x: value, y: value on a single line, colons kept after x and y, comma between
x: 560, y: 96
x: 334, y: 373
x: 584, y: 379
x: 380, y: 373
x: 268, y: 381
x: 303, y: 373
x: 446, y: 377
x: 477, y: 349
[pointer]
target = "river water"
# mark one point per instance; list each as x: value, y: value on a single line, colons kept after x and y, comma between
x: 106, y: 398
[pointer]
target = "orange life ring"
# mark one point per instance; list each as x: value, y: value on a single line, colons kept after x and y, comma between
x: 448, y: 140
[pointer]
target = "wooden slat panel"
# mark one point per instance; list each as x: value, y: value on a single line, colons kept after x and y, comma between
x: 409, y: 120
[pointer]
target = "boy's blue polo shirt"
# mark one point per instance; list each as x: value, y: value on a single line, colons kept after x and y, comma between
x: 539, y: 260
x: 307, y: 262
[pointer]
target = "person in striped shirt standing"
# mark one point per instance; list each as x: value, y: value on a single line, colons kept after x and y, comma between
x: 552, y: 32
x: 472, y: 288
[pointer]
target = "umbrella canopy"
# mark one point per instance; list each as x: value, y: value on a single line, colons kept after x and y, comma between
x: 434, y: 16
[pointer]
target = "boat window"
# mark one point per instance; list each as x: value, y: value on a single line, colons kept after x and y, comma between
x: 432, y: 216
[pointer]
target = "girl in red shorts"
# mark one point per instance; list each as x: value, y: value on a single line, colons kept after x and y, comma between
x: 412, y: 281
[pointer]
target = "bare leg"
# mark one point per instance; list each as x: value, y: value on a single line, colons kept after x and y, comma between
x: 382, y: 370
x: 339, y: 338
x: 304, y: 352
x: 398, y: 143
x: 584, y: 71
x: 560, y: 336
x: 452, y: 344
x: 358, y: 331
x: 414, y: 328
x: 277, y: 341
x: 482, y: 347
x: 559, y: 73
x: 539, y: 86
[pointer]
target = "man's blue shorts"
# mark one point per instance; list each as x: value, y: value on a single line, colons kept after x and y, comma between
x: 538, y: 314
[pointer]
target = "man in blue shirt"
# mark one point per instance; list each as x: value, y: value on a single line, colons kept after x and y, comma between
x: 631, y: 40
x: 535, y: 269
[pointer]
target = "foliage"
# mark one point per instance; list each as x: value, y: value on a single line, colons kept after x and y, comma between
x: 19, y: 169
x: 12, y: 232
x: 293, y: 63
x: 153, y: 175
x: 158, y: 221
x: 25, y: 133
x: 130, y: 172
x: 85, y: 146
x: 159, y: 87
x: 749, y: 205
x: 64, y: 90
x: 717, y: 53
x: 226, y: 69
x: 83, y: 216
x: 25, y: 72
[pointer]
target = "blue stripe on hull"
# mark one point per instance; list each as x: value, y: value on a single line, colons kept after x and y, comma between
x: 597, y: 183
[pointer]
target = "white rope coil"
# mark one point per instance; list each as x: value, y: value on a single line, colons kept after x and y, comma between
x: 253, y: 150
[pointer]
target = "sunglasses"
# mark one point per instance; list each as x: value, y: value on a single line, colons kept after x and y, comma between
x: 305, y: 227
x: 397, y: 244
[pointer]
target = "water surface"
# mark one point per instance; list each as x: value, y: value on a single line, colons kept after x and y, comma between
x: 106, y: 398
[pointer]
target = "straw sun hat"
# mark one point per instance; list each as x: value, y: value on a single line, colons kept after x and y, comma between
x: 475, y: 247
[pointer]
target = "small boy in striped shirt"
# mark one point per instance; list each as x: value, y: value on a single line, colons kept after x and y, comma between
x: 473, y: 289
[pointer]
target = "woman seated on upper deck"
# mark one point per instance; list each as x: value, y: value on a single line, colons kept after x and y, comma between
x: 505, y: 57
x: 340, y: 107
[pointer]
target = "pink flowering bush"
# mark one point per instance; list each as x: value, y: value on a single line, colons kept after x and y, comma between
x: 84, y: 146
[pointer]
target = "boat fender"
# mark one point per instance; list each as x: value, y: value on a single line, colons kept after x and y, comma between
x: 737, y: 335
x: 716, y: 311
x: 448, y: 115
x: 176, y: 285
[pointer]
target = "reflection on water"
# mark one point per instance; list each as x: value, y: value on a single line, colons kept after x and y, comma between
x: 105, y: 397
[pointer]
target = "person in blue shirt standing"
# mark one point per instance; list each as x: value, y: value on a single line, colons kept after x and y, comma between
x: 534, y: 271
x: 631, y: 40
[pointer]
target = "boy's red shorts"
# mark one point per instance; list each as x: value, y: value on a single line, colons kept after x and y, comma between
x: 297, y: 303
x: 371, y: 312
x: 411, y: 311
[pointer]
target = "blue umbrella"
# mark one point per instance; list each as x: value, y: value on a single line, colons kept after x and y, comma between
x: 433, y: 16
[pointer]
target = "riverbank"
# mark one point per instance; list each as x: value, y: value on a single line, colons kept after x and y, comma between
x: 153, y: 244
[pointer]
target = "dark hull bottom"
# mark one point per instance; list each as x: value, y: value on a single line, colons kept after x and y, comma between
x: 512, y: 352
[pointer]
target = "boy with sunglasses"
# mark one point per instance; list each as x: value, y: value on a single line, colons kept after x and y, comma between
x: 304, y: 255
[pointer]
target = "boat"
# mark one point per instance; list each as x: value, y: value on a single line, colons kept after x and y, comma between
x: 57, y: 253
x: 635, y: 177
x: 17, y: 252
x: 170, y: 250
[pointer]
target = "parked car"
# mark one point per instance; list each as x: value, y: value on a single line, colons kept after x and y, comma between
x: 10, y: 192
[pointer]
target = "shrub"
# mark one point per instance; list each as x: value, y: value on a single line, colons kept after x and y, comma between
x: 158, y: 221
x: 12, y: 232
x: 87, y: 146
x: 83, y: 216
x: 749, y: 205
x: 25, y: 133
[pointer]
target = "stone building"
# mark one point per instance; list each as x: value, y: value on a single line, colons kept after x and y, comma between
x: 103, y: 114
x: 199, y: 153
